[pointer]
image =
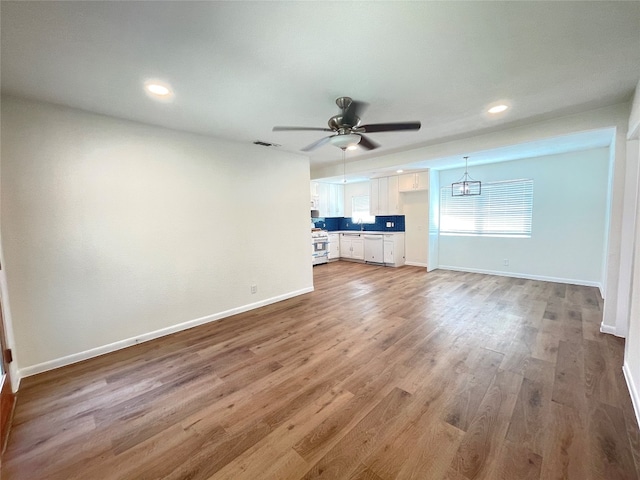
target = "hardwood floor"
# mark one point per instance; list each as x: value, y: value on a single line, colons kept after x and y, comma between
x: 380, y: 373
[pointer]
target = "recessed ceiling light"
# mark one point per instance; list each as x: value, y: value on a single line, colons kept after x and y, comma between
x: 399, y: 171
x: 498, y: 108
x: 158, y: 89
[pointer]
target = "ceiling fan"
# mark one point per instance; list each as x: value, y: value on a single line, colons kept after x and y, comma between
x: 347, y: 129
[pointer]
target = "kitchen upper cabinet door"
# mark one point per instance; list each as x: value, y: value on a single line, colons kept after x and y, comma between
x: 336, y: 200
x: 328, y: 199
x: 406, y: 182
x: 422, y: 180
x: 323, y: 199
x: 314, y: 196
x: 374, y: 194
x: 379, y: 196
x: 411, y: 182
x: 394, y: 207
x: 383, y: 196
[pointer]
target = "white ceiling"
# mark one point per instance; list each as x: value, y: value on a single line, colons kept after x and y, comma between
x: 239, y: 68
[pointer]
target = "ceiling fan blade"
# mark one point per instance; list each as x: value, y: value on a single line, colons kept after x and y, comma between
x: 390, y: 127
x: 317, y: 143
x: 284, y: 129
x: 367, y: 143
x: 351, y: 115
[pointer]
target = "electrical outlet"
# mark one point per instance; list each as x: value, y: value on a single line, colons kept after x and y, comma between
x: 506, y: 262
x: 254, y: 289
x: 388, y: 224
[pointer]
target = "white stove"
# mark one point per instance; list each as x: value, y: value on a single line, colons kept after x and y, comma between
x: 319, y: 246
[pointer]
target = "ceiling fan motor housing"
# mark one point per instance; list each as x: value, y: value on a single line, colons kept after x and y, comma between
x: 336, y: 123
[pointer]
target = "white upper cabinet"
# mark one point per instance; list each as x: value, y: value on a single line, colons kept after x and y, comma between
x: 395, y: 207
x: 378, y: 202
x: 336, y: 200
x: 314, y: 196
x: 328, y: 199
x: 384, y: 198
x: 411, y: 182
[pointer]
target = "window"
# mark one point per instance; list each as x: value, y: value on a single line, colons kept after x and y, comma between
x: 504, y: 209
x: 360, y: 210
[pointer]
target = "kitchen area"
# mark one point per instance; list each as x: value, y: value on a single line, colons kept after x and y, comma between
x: 371, y: 221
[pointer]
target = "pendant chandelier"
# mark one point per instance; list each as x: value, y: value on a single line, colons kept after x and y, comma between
x: 466, y: 186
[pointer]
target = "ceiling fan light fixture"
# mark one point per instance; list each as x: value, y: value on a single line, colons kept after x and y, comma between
x: 345, y: 141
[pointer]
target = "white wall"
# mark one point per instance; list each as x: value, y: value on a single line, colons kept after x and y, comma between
x: 415, y: 208
x: 567, y: 244
x: 115, y: 231
x: 613, y: 291
x: 632, y: 343
x: 8, y: 324
x: 625, y: 275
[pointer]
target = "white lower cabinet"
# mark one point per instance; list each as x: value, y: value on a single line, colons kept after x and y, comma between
x: 334, y: 246
x: 394, y: 249
x: 380, y: 248
x: 388, y: 251
x: 352, y: 246
x: 357, y: 249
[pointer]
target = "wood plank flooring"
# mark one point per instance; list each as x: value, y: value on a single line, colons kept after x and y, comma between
x: 378, y: 374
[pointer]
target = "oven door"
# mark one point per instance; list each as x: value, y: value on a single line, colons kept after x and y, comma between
x: 320, y: 245
x: 320, y: 250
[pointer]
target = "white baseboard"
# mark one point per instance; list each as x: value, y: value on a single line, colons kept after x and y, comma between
x: 527, y: 276
x: 416, y: 264
x: 633, y: 391
x: 609, y: 329
x: 145, y: 337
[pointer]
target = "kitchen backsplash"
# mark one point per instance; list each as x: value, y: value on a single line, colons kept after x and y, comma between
x: 346, y: 223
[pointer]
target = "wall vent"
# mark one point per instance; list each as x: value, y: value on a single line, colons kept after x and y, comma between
x: 266, y: 144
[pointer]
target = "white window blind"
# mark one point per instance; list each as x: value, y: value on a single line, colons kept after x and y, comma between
x: 504, y: 209
x: 360, y: 210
